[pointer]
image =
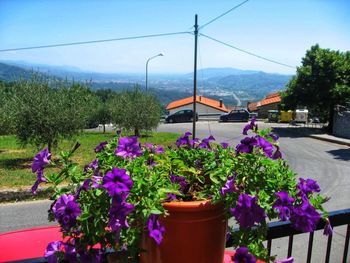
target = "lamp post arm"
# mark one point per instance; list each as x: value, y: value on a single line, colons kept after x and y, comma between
x: 161, y: 54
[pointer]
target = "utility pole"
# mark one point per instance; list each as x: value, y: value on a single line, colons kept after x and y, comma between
x: 195, y: 77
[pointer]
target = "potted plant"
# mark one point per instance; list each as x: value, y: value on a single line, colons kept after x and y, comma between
x: 137, y: 203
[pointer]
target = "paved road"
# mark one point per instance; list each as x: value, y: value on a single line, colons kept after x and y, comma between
x: 22, y: 215
x: 326, y: 162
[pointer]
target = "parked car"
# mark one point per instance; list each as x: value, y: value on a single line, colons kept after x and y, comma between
x: 181, y: 116
x: 236, y: 115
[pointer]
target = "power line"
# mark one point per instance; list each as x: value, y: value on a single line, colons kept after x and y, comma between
x: 94, y: 41
x: 247, y: 52
x: 225, y: 13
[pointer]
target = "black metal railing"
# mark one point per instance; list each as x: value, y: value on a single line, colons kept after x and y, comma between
x: 285, y: 229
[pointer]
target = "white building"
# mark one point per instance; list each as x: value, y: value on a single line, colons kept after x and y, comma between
x: 203, y: 105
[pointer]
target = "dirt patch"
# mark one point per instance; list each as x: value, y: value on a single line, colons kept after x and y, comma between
x: 12, y: 151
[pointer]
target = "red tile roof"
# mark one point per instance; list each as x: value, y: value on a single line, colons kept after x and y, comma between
x: 272, y: 95
x: 270, y: 99
x: 199, y: 99
x: 252, y: 106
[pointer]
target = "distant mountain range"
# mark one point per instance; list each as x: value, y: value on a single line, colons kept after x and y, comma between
x: 234, y: 86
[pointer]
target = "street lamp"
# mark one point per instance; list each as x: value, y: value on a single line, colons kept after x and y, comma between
x: 159, y: 55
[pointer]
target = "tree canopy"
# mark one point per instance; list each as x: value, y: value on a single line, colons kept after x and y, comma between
x: 321, y: 82
x: 44, y: 111
x: 135, y: 110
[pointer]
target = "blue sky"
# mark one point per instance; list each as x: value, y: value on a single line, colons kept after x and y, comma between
x: 279, y: 30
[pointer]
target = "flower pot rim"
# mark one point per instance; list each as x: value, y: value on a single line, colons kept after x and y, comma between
x: 202, y: 205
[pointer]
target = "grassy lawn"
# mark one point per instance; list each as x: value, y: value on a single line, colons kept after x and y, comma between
x: 15, y: 161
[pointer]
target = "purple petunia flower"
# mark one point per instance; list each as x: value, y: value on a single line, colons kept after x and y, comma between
x: 185, y: 140
x: 128, y: 147
x: 93, y: 166
x: 246, y: 145
x: 283, y: 205
x: 242, y: 255
x: 118, y: 213
x: 85, y: 186
x: 247, y: 211
x: 180, y: 180
x: 149, y: 146
x: 51, y: 251
x: 328, y: 230
x: 75, y: 147
x: 94, y: 256
x: 150, y: 162
x: 307, y: 186
x: 277, y: 154
x: 287, y: 260
x: 97, y: 180
x: 117, y: 181
x: 39, y: 179
x: 305, y: 217
x: 273, y: 136
x: 70, y: 253
x: 171, y: 196
x: 159, y: 150
x: 224, y: 145
x: 265, y: 145
x: 66, y: 211
x: 41, y: 160
x: 205, y: 143
x: 155, y: 229
x: 250, y: 126
x: 100, y: 147
x: 229, y: 186
x: 198, y: 164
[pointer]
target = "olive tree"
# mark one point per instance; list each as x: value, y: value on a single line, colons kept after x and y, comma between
x: 46, y: 111
x: 135, y: 110
x: 6, y: 115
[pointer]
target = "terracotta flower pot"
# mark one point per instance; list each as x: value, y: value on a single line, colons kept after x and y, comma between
x: 194, y: 232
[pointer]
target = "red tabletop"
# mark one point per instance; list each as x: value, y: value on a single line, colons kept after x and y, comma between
x: 27, y: 243
x: 31, y: 243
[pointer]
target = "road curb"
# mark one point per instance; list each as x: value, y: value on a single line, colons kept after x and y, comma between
x: 14, y: 195
x: 329, y: 139
x: 322, y: 137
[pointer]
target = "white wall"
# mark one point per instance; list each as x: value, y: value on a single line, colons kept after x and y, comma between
x: 200, y: 108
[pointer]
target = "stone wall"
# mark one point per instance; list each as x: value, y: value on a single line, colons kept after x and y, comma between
x: 341, y: 126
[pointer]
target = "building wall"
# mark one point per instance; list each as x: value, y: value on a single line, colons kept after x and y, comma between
x: 200, y: 108
x: 341, y: 125
x: 262, y: 110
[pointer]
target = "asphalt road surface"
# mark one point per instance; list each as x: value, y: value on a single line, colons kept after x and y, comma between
x: 326, y: 162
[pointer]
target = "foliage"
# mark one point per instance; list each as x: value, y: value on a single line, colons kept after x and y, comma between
x: 119, y: 195
x: 6, y: 114
x: 135, y: 110
x: 320, y: 83
x: 101, y: 114
x: 45, y: 111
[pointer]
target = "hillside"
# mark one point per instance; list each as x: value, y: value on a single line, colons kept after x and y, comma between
x: 225, y: 83
x: 11, y: 73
